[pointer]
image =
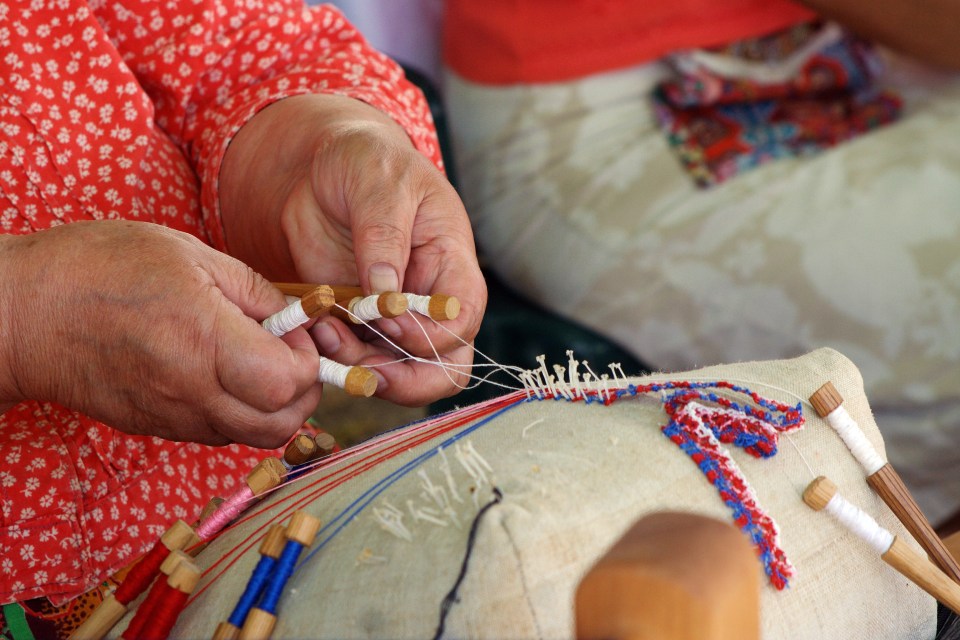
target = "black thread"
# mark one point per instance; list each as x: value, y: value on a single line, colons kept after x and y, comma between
x: 451, y: 598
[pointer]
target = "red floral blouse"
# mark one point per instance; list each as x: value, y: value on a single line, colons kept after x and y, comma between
x: 124, y: 110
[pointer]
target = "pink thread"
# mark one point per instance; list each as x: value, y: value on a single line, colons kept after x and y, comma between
x: 226, y: 512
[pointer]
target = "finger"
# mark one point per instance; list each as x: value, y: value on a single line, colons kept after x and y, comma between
x: 405, y: 382
x: 380, y: 207
x: 237, y: 422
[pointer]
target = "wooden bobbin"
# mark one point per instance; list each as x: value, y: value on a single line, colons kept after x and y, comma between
x: 179, y: 536
x: 326, y: 445
x: 888, y: 484
x: 924, y: 573
x: 272, y: 545
x: 819, y: 492
x: 209, y: 509
x: 101, y: 621
x: 343, y: 310
x: 184, y: 576
x: 267, y: 475
x: 826, y: 399
x: 443, y: 307
x: 300, y: 450
x: 297, y: 289
x: 673, y: 575
x: 360, y: 382
x: 258, y: 625
x: 317, y: 300
x: 302, y: 528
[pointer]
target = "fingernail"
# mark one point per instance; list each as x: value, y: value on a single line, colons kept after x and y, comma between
x: 382, y: 383
x: 327, y: 338
x: 390, y: 327
x: 383, y: 277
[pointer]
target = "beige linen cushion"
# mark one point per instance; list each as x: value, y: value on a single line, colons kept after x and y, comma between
x: 573, y: 478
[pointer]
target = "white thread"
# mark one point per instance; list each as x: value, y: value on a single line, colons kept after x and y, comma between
x: 286, y: 320
x: 426, y: 514
x: 418, y: 303
x: 333, y: 372
x: 366, y: 309
x: 391, y: 519
x: 523, y: 434
x: 851, y: 434
x: 574, y: 374
x: 367, y: 557
x: 445, y: 468
x: 860, y: 523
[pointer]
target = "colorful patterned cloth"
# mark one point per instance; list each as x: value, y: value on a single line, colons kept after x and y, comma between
x: 790, y: 94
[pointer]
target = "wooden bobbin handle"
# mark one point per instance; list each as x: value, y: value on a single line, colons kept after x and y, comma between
x: 180, y: 535
x: 300, y: 450
x: 273, y: 542
x: 924, y: 573
x: 890, y: 487
x: 101, y: 621
x: 258, y: 625
x: 226, y: 631
x: 826, y: 399
x: 443, y: 307
x: 317, y: 300
x: 391, y: 304
x: 673, y: 576
x: 360, y: 382
x: 268, y: 474
x: 302, y: 528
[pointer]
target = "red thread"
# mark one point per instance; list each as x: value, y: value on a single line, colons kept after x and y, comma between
x: 164, y: 615
x: 142, y: 574
x: 160, y: 592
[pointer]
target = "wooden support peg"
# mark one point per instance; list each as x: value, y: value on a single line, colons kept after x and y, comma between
x: 680, y: 576
x: 225, y: 631
x: 300, y: 450
x: 884, y: 479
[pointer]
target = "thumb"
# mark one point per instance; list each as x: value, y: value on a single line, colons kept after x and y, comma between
x: 381, y: 241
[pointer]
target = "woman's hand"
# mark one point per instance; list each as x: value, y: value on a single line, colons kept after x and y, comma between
x: 326, y: 189
x: 152, y: 332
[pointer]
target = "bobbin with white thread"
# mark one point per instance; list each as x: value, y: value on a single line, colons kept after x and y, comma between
x: 883, y: 478
x: 821, y: 494
x: 356, y: 381
x: 438, y: 306
x: 310, y: 305
x: 360, y: 309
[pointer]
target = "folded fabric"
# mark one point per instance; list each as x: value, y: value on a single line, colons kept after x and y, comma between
x: 790, y: 94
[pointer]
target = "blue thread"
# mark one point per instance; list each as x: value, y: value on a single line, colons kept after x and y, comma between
x: 250, y: 594
x: 284, y: 569
x: 371, y: 494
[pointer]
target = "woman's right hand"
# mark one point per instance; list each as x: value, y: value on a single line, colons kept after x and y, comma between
x: 152, y: 332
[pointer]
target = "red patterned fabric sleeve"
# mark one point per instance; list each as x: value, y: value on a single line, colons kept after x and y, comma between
x: 210, y: 66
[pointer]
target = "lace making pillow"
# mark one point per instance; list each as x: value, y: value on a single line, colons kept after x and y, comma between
x: 548, y: 485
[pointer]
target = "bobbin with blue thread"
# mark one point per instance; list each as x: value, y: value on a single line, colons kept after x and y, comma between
x: 270, y: 550
x: 260, y: 620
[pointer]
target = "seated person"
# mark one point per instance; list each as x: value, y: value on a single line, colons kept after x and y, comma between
x: 144, y: 153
